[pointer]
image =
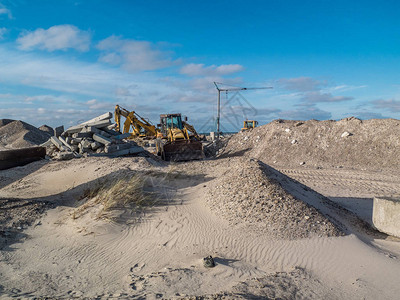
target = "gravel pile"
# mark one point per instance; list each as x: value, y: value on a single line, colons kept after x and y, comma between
x: 246, y: 195
x: 351, y: 143
x: 18, y: 134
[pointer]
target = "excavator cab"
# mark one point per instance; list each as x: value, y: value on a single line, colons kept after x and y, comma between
x: 249, y: 124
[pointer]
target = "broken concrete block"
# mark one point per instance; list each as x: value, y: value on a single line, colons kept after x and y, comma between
x: 91, y: 129
x: 121, y: 136
x: 95, y: 145
x: 105, y: 116
x: 96, y: 130
x: 112, y: 126
x: 47, y: 144
x: 101, y: 139
x: 76, y: 141
x: 58, y: 130
x: 114, y: 148
x: 98, y: 124
x: 64, y: 155
x: 82, y: 135
x: 56, y: 142
x: 110, y: 131
x: 64, y: 142
x: 85, y: 144
x: 132, y: 150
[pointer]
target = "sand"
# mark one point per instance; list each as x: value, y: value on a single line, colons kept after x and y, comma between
x: 18, y: 134
x: 157, y: 251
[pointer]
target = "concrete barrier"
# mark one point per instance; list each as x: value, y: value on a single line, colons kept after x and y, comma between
x: 20, y: 157
x: 386, y: 215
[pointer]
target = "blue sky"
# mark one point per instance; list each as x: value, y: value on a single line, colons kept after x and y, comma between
x: 62, y: 62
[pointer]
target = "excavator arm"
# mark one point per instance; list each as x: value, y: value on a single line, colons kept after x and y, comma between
x: 134, y: 120
x: 190, y: 128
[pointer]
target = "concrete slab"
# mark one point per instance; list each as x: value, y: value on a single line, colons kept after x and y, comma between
x: 132, y: 150
x: 79, y: 135
x: 118, y: 147
x: 46, y: 144
x: 386, y: 215
x: 95, y: 145
x: 121, y: 136
x: 101, y: 139
x: 56, y: 141
x: 65, y: 142
x: 20, y: 157
x: 105, y: 116
x: 58, y: 130
x: 110, y: 131
x: 97, y: 124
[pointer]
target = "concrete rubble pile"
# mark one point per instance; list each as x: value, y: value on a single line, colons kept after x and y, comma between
x: 96, y: 137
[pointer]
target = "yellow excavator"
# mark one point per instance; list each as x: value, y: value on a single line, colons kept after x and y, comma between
x: 140, y: 126
x: 174, y: 142
x: 249, y: 124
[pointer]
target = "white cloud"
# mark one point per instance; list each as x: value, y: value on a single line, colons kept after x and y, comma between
x: 301, y: 84
x: 5, y: 11
x: 43, y: 98
x: 60, y: 37
x: 3, y: 31
x: 41, y: 110
x: 133, y: 55
x: 391, y: 105
x: 96, y: 104
x: 306, y: 114
x: 317, y: 96
x: 213, y: 70
x: 343, y: 88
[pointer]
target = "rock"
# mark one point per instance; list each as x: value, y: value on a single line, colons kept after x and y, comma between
x: 294, y: 142
x: 302, y: 163
x: 208, y: 262
x: 346, y: 134
x: 65, y: 155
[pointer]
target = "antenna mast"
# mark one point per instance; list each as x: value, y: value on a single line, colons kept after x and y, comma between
x: 230, y: 90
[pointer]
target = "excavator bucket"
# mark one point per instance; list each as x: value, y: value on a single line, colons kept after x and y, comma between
x: 183, y: 150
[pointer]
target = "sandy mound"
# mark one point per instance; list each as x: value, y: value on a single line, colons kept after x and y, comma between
x: 4, y: 122
x: 351, y: 143
x: 245, y: 194
x: 18, y: 134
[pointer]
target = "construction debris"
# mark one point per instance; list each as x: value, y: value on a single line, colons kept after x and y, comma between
x: 95, y: 137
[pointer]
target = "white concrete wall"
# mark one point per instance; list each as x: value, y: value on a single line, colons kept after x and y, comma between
x: 386, y: 215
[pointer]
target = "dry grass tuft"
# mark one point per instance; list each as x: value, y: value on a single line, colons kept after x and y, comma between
x: 129, y: 192
x: 125, y: 192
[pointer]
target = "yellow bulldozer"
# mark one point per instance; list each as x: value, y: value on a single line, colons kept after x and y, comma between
x: 249, y: 124
x: 174, y: 142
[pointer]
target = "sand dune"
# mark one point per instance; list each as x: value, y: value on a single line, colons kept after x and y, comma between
x: 313, y: 241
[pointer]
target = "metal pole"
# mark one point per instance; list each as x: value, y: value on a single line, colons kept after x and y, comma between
x: 218, y: 112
